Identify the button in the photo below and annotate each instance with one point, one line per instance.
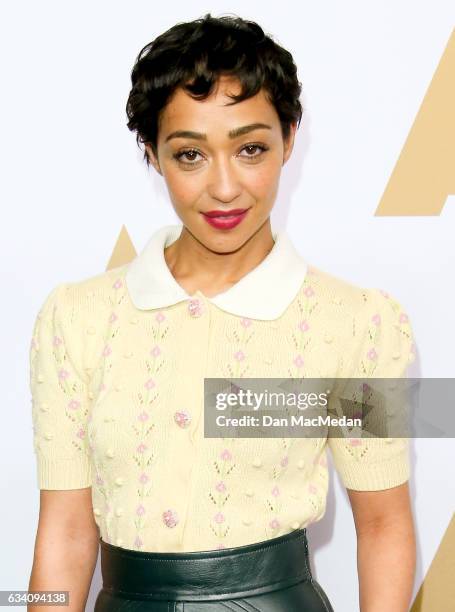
(134, 320)
(328, 338)
(294, 495)
(182, 418)
(195, 307)
(118, 387)
(119, 481)
(128, 354)
(118, 541)
(40, 378)
(110, 452)
(96, 511)
(48, 436)
(170, 518)
(249, 492)
(396, 355)
(301, 464)
(257, 462)
(119, 512)
(44, 407)
(246, 522)
(295, 525)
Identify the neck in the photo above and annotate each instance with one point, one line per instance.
(196, 267)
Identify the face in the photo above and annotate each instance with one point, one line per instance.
(217, 158)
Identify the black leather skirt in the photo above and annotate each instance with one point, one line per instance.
(269, 576)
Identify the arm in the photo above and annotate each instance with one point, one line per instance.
(386, 548)
(66, 547)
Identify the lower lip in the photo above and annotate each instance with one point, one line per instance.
(225, 222)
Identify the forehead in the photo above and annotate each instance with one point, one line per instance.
(184, 112)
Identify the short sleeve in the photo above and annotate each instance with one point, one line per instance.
(59, 397)
(385, 349)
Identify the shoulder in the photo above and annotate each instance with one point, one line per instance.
(350, 300)
(87, 297)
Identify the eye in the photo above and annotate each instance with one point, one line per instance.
(187, 156)
(254, 147)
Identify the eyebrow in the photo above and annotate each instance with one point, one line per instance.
(235, 133)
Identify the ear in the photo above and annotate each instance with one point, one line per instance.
(153, 158)
(289, 143)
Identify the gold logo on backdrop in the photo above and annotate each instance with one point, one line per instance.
(424, 175)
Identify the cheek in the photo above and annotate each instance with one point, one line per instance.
(183, 187)
(263, 179)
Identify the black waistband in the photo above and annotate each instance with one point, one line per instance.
(207, 575)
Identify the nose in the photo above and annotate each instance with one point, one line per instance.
(223, 181)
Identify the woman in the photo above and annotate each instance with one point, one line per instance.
(118, 363)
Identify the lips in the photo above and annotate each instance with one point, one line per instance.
(225, 219)
(225, 213)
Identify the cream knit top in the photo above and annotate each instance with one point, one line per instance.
(117, 367)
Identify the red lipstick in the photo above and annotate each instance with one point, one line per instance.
(225, 219)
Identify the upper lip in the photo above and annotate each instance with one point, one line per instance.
(225, 213)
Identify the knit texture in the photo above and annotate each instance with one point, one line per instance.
(118, 396)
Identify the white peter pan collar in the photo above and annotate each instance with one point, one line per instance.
(263, 293)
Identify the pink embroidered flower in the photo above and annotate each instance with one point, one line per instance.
(372, 354)
(170, 518)
(57, 341)
(284, 461)
(403, 317)
(376, 319)
(143, 416)
(226, 455)
(33, 343)
(143, 478)
(220, 486)
(102, 387)
(118, 283)
(309, 291)
(63, 374)
(99, 480)
(355, 441)
(150, 383)
(141, 448)
(303, 326)
(155, 351)
(160, 317)
(245, 322)
(113, 317)
(138, 542)
(219, 518)
(182, 418)
(275, 491)
(274, 523)
(357, 414)
(365, 387)
(81, 433)
(140, 510)
(220, 546)
(384, 293)
(323, 462)
(298, 361)
(312, 488)
(107, 350)
(195, 307)
(239, 356)
(74, 404)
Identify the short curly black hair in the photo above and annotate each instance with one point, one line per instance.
(193, 55)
